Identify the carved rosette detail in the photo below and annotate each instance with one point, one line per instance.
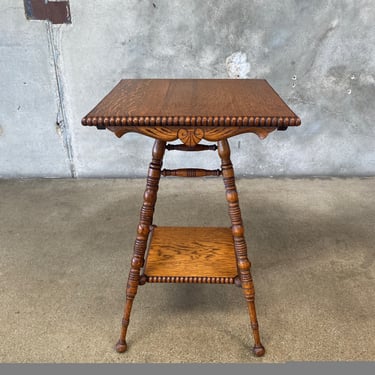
(190, 137)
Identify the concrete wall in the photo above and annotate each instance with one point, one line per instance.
(319, 55)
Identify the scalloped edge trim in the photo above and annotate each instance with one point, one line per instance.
(191, 121)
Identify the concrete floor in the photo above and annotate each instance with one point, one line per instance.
(66, 246)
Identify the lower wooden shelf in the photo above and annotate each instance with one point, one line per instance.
(191, 254)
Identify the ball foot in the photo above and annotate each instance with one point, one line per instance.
(121, 346)
(259, 350)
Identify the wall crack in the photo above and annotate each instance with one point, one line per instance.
(62, 125)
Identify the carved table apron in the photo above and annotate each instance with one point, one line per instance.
(191, 110)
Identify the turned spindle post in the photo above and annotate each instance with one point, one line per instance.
(243, 263)
(144, 227)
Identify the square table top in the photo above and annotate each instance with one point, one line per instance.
(192, 102)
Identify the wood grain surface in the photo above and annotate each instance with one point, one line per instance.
(191, 252)
(192, 102)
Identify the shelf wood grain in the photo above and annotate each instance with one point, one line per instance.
(188, 252)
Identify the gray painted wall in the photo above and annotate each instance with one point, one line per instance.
(318, 54)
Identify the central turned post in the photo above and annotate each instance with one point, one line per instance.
(243, 263)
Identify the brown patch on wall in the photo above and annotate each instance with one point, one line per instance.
(54, 11)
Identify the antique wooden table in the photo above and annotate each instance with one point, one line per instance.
(191, 110)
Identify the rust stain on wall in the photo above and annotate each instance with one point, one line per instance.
(56, 12)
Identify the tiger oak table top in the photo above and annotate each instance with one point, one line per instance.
(192, 109)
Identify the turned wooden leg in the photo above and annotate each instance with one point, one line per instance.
(143, 230)
(243, 263)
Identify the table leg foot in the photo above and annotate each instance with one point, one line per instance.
(121, 346)
(259, 350)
